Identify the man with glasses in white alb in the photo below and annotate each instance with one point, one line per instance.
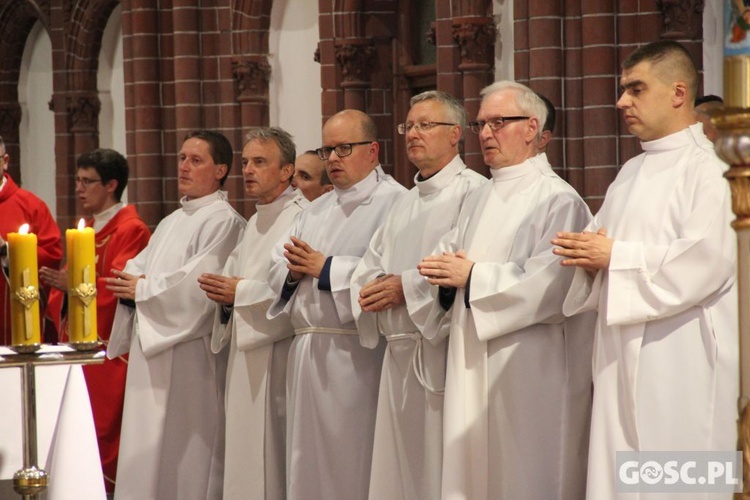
(392, 300)
(332, 382)
(518, 379)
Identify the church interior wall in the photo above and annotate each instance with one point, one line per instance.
(293, 63)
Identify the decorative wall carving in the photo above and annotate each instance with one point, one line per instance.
(252, 78)
(356, 58)
(681, 18)
(476, 40)
(84, 113)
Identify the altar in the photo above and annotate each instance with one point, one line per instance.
(66, 438)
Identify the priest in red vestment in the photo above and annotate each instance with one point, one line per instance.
(19, 206)
(120, 235)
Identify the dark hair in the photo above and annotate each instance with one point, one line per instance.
(109, 165)
(219, 147)
(708, 98)
(549, 123)
(670, 56)
(324, 179)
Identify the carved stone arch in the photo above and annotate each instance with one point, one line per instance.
(83, 40)
(16, 22)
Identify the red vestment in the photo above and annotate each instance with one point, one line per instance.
(117, 242)
(19, 206)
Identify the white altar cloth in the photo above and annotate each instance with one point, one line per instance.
(66, 438)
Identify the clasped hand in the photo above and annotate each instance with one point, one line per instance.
(303, 260)
(384, 292)
(220, 289)
(446, 270)
(587, 250)
(123, 285)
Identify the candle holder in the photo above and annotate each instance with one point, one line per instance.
(30, 481)
(85, 346)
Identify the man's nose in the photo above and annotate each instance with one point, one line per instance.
(623, 102)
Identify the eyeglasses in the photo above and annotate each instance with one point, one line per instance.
(342, 150)
(405, 128)
(494, 123)
(86, 182)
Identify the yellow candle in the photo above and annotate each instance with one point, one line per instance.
(81, 284)
(24, 288)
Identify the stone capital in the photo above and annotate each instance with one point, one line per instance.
(475, 37)
(84, 112)
(681, 18)
(356, 58)
(252, 76)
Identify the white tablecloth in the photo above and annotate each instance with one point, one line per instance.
(66, 437)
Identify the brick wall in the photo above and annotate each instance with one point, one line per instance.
(571, 52)
(203, 64)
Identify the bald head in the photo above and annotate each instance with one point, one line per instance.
(363, 125)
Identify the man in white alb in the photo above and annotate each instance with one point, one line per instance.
(256, 374)
(395, 300)
(172, 438)
(518, 379)
(658, 264)
(332, 380)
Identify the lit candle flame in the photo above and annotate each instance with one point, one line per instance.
(81, 224)
(24, 229)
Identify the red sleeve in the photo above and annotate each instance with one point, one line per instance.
(129, 246)
(49, 241)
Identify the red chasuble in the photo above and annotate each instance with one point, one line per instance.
(18, 206)
(119, 241)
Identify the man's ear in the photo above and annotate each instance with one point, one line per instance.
(287, 172)
(221, 171)
(374, 150)
(546, 137)
(456, 135)
(111, 186)
(532, 129)
(679, 94)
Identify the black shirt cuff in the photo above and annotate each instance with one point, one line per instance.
(289, 287)
(446, 297)
(467, 293)
(324, 282)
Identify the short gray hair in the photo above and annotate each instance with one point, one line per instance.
(456, 110)
(281, 137)
(527, 100)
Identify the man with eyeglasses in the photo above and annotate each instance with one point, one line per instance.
(172, 441)
(17, 207)
(392, 300)
(120, 235)
(518, 379)
(658, 264)
(333, 380)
